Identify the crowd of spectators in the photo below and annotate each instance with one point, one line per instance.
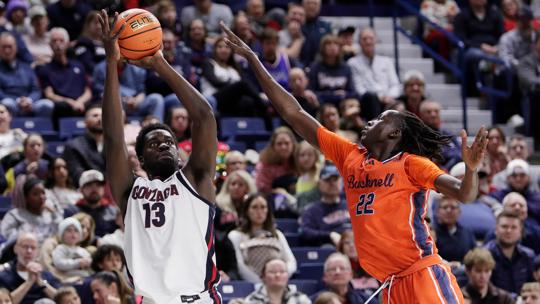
(61, 240)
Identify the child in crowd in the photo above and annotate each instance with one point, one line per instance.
(308, 163)
(68, 256)
(5, 296)
(67, 295)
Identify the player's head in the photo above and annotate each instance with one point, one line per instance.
(156, 148)
(403, 131)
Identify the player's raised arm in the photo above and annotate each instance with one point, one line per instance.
(119, 173)
(287, 106)
(466, 190)
(201, 166)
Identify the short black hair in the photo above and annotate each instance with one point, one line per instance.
(139, 143)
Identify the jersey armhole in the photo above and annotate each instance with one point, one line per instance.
(182, 178)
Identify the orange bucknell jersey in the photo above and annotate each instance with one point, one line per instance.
(387, 204)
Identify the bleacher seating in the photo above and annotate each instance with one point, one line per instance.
(235, 289)
(71, 126)
(55, 148)
(287, 225)
(309, 255)
(39, 125)
(309, 271)
(308, 287)
(293, 238)
(243, 129)
(5, 205)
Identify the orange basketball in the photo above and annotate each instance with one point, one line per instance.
(141, 36)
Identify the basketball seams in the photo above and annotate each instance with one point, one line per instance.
(145, 50)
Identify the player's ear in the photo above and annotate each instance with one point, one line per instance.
(395, 134)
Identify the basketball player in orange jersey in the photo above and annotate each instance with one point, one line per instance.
(386, 181)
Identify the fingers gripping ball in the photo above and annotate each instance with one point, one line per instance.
(141, 36)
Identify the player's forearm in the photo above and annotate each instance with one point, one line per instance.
(113, 127)
(196, 105)
(468, 190)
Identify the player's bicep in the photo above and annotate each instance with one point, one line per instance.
(422, 172)
(119, 174)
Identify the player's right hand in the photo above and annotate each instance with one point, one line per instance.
(109, 38)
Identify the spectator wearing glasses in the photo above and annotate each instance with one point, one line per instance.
(338, 277)
(453, 240)
(518, 181)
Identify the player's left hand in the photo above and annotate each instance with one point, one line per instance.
(110, 38)
(234, 42)
(473, 155)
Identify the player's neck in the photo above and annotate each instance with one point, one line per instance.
(383, 152)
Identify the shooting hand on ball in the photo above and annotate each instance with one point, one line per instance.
(110, 38)
(148, 62)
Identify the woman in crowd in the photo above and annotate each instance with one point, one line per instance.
(196, 41)
(110, 287)
(177, 118)
(59, 187)
(222, 85)
(30, 212)
(276, 159)
(329, 117)
(329, 77)
(11, 140)
(33, 162)
(238, 185)
(257, 240)
(275, 278)
(497, 152)
(89, 47)
(413, 92)
(308, 163)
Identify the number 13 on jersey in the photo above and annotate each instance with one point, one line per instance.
(363, 207)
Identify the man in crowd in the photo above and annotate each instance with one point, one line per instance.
(313, 29)
(323, 221)
(24, 277)
(19, 89)
(479, 265)
(374, 76)
(93, 202)
(291, 37)
(85, 152)
(513, 261)
(529, 81)
(210, 13)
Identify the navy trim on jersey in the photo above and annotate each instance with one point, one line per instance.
(186, 184)
(212, 274)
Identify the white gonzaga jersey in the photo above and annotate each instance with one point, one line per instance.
(169, 240)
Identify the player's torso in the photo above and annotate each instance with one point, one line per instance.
(169, 238)
(387, 214)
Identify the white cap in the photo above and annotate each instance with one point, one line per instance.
(517, 166)
(70, 221)
(91, 176)
(458, 170)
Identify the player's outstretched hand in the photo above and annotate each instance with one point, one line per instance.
(110, 39)
(233, 41)
(148, 62)
(474, 155)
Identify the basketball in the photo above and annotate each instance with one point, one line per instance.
(141, 36)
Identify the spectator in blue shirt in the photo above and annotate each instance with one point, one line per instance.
(453, 240)
(64, 80)
(516, 203)
(19, 90)
(132, 90)
(324, 220)
(314, 29)
(338, 277)
(514, 262)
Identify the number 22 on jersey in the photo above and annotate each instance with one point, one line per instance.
(363, 207)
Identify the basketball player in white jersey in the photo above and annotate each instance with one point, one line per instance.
(169, 240)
